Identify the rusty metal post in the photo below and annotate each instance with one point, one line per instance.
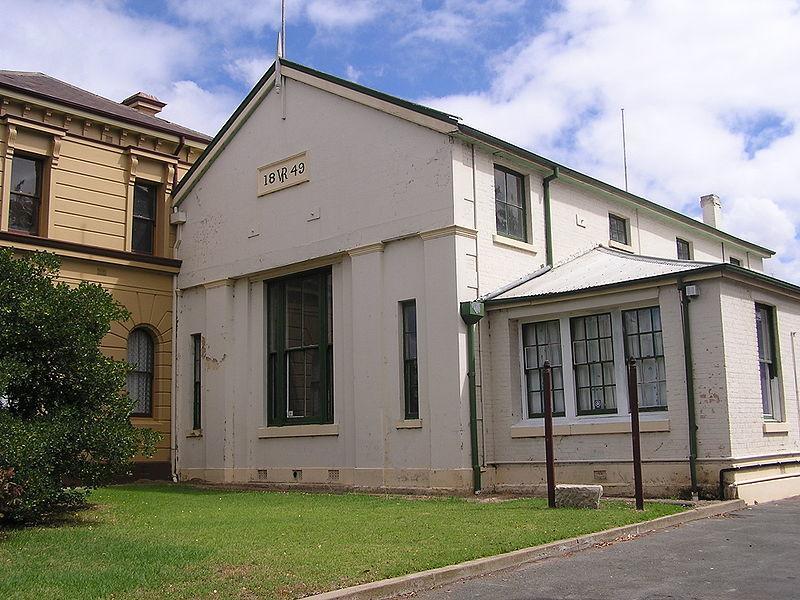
(547, 383)
(633, 401)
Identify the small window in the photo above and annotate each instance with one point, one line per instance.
(768, 362)
(542, 342)
(735, 261)
(410, 374)
(141, 356)
(644, 342)
(144, 217)
(25, 199)
(684, 249)
(618, 229)
(509, 204)
(593, 361)
(197, 376)
(300, 349)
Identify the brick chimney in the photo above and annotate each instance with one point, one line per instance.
(144, 103)
(712, 210)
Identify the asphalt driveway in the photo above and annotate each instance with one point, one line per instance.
(751, 554)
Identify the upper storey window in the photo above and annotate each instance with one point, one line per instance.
(684, 249)
(509, 204)
(25, 199)
(144, 217)
(618, 229)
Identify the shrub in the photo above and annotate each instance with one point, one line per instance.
(63, 418)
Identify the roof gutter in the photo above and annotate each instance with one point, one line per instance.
(548, 227)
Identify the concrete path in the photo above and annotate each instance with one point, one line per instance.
(751, 554)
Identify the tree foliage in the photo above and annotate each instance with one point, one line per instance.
(64, 420)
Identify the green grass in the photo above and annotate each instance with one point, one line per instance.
(172, 541)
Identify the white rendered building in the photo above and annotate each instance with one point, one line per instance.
(330, 234)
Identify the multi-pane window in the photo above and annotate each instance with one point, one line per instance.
(141, 356)
(144, 217)
(593, 361)
(300, 349)
(410, 375)
(684, 249)
(197, 388)
(618, 229)
(509, 204)
(542, 342)
(644, 342)
(735, 261)
(768, 362)
(25, 198)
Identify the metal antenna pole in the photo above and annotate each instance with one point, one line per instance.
(624, 150)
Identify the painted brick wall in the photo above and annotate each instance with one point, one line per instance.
(744, 387)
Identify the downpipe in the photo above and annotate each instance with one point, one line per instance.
(471, 314)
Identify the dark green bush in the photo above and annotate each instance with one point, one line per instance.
(63, 418)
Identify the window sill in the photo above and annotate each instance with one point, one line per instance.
(525, 430)
(288, 431)
(620, 246)
(776, 427)
(512, 243)
(195, 433)
(409, 424)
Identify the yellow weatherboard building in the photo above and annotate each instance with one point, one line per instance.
(91, 180)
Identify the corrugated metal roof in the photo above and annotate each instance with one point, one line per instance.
(44, 86)
(596, 267)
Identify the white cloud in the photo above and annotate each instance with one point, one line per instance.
(457, 21)
(352, 73)
(341, 14)
(198, 108)
(249, 69)
(696, 80)
(120, 55)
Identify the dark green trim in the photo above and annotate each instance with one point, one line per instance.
(197, 381)
(721, 267)
(410, 365)
(541, 415)
(469, 132)
(221, 133)
(418, 108)
(577, 175)
(276, 388)
(602, 411)
(653, 408)
(471, 319)
(548, 219)
(688, 365)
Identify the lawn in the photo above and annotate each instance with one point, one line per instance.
(173, 541)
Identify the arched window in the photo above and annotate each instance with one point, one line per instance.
(141, 356)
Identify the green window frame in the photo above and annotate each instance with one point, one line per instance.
(542, 342)
(510, 208)
(734, 261)
(684, 249)
(644, 341)
(768, 361)
(410, 366)
(618, 229)
(593, 364)
(299, 323)
(197, 380)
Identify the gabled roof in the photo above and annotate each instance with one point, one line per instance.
(454, 126)
(49, 88)
(600, 268)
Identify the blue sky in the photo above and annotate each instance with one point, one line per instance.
(710, 88)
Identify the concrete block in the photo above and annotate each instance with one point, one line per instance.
(578, 496)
